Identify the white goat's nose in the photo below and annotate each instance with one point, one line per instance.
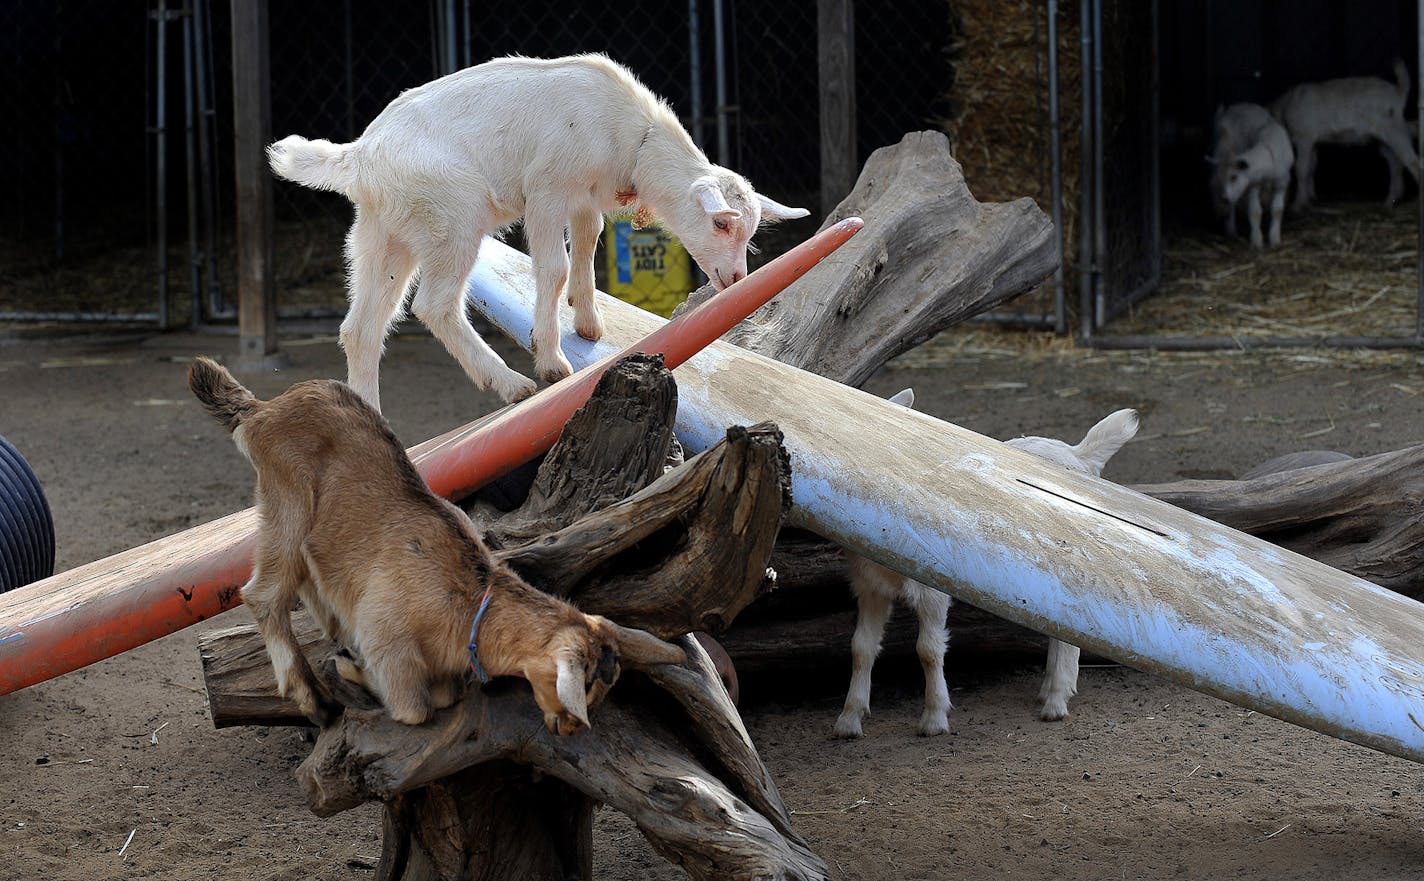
(738, 276)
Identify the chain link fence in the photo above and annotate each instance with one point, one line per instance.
(75, 193)
(120, 203)
(1127, 234)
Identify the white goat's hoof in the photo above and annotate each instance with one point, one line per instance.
(1054, 710)
(554, 369)
(590, 326)
(848, 726)
(933, 724)
(513, 387)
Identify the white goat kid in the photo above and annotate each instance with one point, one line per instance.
(557, 142)
(1352, 110)
(876, 588)
(1253, 157)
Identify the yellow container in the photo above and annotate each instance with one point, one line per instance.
(648, 267)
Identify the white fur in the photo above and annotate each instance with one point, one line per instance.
(554, 142)
(1352, 110)
(876, 588)
(1252, 157)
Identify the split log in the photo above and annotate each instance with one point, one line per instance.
(930, 256)
(1364, 516)
(483, 790)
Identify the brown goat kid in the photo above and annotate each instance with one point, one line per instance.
(392, 572)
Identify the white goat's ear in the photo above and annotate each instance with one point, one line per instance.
(713, 202)
(1210, 160)
(570, 688)
(905, 398)
(774, 210)
(640, 649)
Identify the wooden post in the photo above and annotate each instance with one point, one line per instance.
(835, 30)
(252, 124)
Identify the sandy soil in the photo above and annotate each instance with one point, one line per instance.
(1145, 780)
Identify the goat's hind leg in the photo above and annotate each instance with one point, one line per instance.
(1060, 680)
(584, 229)
(380, 269)
(1396, 142)
(873, 611)
(271, 604)
(440, 304)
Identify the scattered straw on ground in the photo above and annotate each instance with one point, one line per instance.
(1347, 269)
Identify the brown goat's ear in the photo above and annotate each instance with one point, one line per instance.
(640, 648)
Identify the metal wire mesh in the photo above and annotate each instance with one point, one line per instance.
(1130, 255)
(104, 178)
(74, 153)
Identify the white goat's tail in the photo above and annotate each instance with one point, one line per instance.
(318, 164)
(1401, 79)
(1107, 437)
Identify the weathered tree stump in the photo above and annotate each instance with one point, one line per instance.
(930, 256)
(484, 790)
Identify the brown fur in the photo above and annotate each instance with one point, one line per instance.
(390, 571)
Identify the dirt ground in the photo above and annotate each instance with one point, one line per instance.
(116, 772)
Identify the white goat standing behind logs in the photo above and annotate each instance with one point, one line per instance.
(1252, 157)
(1351, 110)
(393, 573)
(876, 589)
(558, 142)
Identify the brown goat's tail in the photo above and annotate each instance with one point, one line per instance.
(220, 394)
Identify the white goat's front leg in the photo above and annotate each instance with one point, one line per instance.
(440, 304)
(932, 607)
(1253, 215)
(380, 269)
(396, 673)
(1278, 207)
(874, 611)
(584, 229)
(1231, 218)
(1060, 680)
(1304, 174)
(545, 231)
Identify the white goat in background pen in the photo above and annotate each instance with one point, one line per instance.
(557, 142)
(1252, 157)
(876, 589)
(1352, 110)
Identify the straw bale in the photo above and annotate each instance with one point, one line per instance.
(998, 121)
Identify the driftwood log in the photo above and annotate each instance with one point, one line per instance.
(1364, 516)
(483, 791)
(930, 256)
